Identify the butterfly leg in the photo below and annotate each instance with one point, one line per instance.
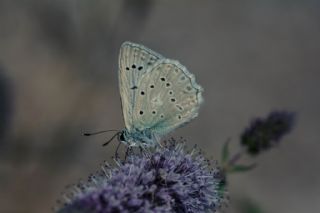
(117, 149)
(128, 151)
(141, 149)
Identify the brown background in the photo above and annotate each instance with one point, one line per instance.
(58, 77)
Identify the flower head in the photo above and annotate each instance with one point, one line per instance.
(262, 134)
(165, 179)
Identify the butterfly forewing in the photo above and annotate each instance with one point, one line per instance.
(167, 97)
(134, 61)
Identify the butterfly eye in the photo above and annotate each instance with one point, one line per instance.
(121, 137)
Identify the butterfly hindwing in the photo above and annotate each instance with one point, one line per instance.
(134, 61)
(167, 97)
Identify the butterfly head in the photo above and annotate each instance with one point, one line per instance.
(122, 137)
(137, 138)
(127, 138)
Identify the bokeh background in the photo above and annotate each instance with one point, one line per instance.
(58, 78)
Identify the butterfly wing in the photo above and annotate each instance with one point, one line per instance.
(134, 61)
(167, 97)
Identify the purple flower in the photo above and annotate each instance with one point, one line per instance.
(265, 133)
(162, 179)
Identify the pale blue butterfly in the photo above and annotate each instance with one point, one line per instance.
(158, 95)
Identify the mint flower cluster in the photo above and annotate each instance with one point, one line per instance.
(264, 133)
(161, 179)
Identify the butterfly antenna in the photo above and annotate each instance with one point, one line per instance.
(111, 139)
(99, 132)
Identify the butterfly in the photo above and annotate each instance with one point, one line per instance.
(158, 95)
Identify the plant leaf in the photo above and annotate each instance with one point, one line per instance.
(249, 206)
(241, 168)
(225, 151)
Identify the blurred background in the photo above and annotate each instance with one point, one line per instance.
(58, 78)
